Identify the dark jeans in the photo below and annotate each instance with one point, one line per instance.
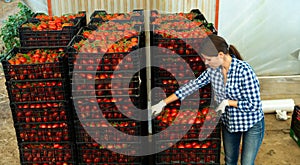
(251, 141)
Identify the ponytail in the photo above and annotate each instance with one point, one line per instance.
(233, 50)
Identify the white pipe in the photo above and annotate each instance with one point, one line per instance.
(270, 106)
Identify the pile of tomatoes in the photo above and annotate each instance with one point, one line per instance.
(46, 22)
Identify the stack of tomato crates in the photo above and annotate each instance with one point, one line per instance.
(104, 68)
(37, 83)
(295, 125)
(195, 134)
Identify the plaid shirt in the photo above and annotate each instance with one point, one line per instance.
(242, 85)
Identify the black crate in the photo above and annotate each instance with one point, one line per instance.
(94, 22)
(81, 15)
(94, 153)
(30, 38)
(106, 88)
(44, 131)
(76, 42)
(90, 108)
(41, 112)
(295, 123)
(116, 25)
(204, 123)
(183, 47)
(188, 35)
(140, 11)
(108, 17)
(194, 15)
(38, 90)
(82, 19)
(82, 30)
(58, 68)
(193, 152)
(47, 153)
(136, 15)
(98, 12)
(110, 62)
(197, 11)
(295, 137)
(92, 66)
(211, 28)
(197, 131)
(96, 130)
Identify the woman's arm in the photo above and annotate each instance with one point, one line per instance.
(171, 98)
(233, 103)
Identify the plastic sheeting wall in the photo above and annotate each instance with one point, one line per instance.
(38, 6)
(59, 7)
(266, 32)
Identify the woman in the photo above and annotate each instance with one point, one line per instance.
(236, 90)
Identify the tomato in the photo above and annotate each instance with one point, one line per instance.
(67, 24)
(44, 25)
(52, 27)
(39, 28)
(58, 20)
(86, 34)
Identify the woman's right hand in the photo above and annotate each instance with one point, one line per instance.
(157, 108)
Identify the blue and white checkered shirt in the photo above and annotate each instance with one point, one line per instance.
(242, 85)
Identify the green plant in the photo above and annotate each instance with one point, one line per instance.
(9, 33)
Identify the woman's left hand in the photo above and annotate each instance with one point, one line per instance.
(222, 106)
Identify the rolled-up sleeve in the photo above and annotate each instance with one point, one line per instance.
(251, 94)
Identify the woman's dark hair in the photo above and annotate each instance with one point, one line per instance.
(213, 44)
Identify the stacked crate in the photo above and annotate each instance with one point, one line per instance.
(44, 30)
(38, 88)
(39, 103)
(295, 125)
(104, 62)
(178, 37)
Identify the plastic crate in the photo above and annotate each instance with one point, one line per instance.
(116, 25)
(188, 35)
(47, 153)
(88, 108)
(108, 65)
(105, 88)
(95, 22)
(42, 112)
(108, 17)
(205, 121)
(211, 27)
(193, 15)
(92, 130)
(195, 132)
(295, 123)
(32, 71)
(183, 71)
(94, 153)
(78, 17)
(197, 11)
(54, 131)
(140, 11)
(192, 152)
(98, 12)
(136, 15)
(38, 90)
(30, 38)
(295, 137)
